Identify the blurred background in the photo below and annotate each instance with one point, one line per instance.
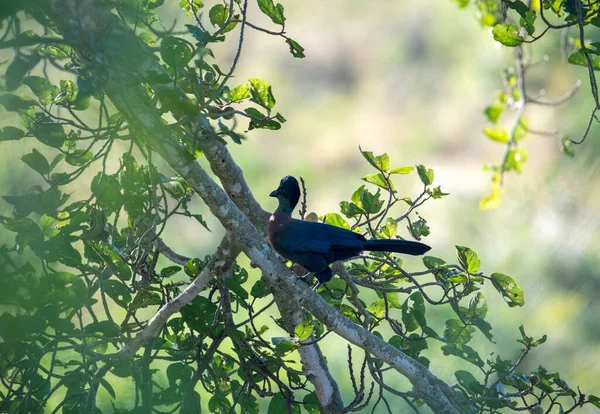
(412, 79)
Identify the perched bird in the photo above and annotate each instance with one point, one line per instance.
(316, 245)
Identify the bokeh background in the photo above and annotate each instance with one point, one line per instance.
(412, 79)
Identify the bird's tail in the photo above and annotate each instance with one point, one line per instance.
(397, 246)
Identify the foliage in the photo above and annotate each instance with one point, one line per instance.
(517, 24)
(83, 276)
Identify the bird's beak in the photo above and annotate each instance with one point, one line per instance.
(274, 193)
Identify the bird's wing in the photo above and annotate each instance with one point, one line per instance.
(307, 237)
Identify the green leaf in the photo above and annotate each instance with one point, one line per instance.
(284, 347)
(507, 34)
(117, 291)
(79, 157)
(261, 93)
(240, 92)
(494, 112)
(107, 190)
(169, 271)
(497, 134)
(19, 67)
(274, 12)
(11, 133)
(509, 289)
(49, 226)
(218, 16)
(260, 289)
(145, 298)
(14, 103)
(378, 180)
(390, 228)
(521, 129)
(371, 203)
(193, 267)
(426, 175)
(402, 170)
(468, 382)
(42, 88)
(381, 162)
(296, 50)
(431, 262)
(468, 259)
(413, 312)
(516, 160)
(377, 308)
(175, 52)
(336, 220)
(113, 260)
(578, 58)
(304, 330)
(191, 6)
(311, 403)
(350, 209)
(465, 352)
(457, 332)
(148, 38)
(49, 133)
(37, 162)
(594, 400)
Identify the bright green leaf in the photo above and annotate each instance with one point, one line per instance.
(507, 34)
(509, 289)
(468, 259)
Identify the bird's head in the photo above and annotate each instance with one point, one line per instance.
(288, 193)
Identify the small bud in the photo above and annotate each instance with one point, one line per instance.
(537, 410)
(534, 380)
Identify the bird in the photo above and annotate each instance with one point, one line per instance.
(315, 246)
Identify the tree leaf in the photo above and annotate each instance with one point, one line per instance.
(465, 352)
(456, 332)
(497, 134)
(11, 133)
(336, 220)
(507, 34)
(261, 93)
(218, 15)
(37, 162)
(117, 291)
(304, 330)
(42, 88)
(378, 180)
(381, 162)
(468, 259)
(275, 12)
(19, 67)
(371, 203)
(509, 289)
(240, 92)
(426, 175)
(175, 52)
(296, 50)
(402, 170)
(191, 6)
(14, 103)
